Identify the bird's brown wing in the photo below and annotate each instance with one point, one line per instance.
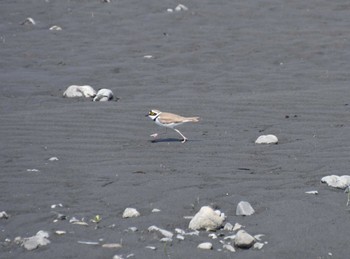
(167, 118)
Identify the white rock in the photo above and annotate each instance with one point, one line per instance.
(181, 7)
(103, 95)
(259, 236)
(169, 10)
(205, 246)
(230, 237)
(228, 227)
(258, 245)
(244, 209)
(206, 219)
(148, 56)
(4, 215)
(79, 91)
(166, 240)
(117, 257)
(60, 232)
(156, 210)
(229, 248)
(243, 239)
(236, 227)
(164, 232)
(213, 236)
(312, 192)
(40, 239)
(53, 159)
(151, 247)
(29, 20)
(180, 231)
(112, 245)
(266, 139)
(336, 181)
(180, 237)
(130, 213)
(55, 28)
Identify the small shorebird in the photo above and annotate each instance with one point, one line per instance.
(170, 120)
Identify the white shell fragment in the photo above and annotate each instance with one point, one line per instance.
(181, 7)
(4, 215)
(205, 246)
(258, 245)
(130, 213)
(40, 239)
(312, 192)
(164, 232)
(243, 239)
(79, 91)
(103, 95)
(28, 21)
(236, 227)
(244, 209)
(266, 139)
(55, 28)
(206, 219)
(336, 181)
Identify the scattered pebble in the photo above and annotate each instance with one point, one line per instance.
(232, 237)
(181, 7)
(180, 237)
(164, 232)
(88, 243)
(229, 248)
(53, 206)
(53, 159)
(206, 219)
(228, 227)
(130, 213)
(79, 91)
(243, 239)
(55, 28)
(103, 95)
(266, 139)
(259, 236)
(33, 170)
(244, 209)
(40, 239)
(237, 226)
(118, 257)
(132, 229)
(312, 192)
(166, 240)
(4, 215)
(60, 232)
(336, 181)
(156, 210)
(180, 231)
(151, 247)
(148, 56)
(112, 245)
(28, 21)
(169, 10)
(205, 246)
(258, 245)
(213, 236)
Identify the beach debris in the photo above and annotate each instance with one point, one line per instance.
(75, 221)
(103, 95)
(163, 232)
(181, 7)
(156, 210)
(243, 239)
(96, 219)
(312, 192)
(130, 213)
(4, 215)
(112, 245)
(166, 240)
(53, 159)
(93, 243)
(28, 21)
(231, 237)
(205, 246)
(258, 237)
(40, 239)
(229, 248)
(336, 181)
(244, 209)
(60, 232)
(79, 91)
(132, 229)
(151, 247)
(148, 56)
(206, 219)
(266, 139)
(55, 28)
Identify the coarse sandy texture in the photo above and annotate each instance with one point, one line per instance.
(247, 68)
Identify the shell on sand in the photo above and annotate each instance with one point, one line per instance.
(336, 181)
(206, 219)
(266, 139)
(79, 91)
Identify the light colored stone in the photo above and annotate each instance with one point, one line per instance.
(258, 245)
(4, 215)
(228, 227)
(130, 213)
(60, 232)
(266, 139)
(112, 245)
(243, 239)
(156, 210)
(151, 247)
(29, 21)
(244, 209)
(205, 246)
(79, 91)
(103, 95)
(312, 192)
(336, 181)
(229, 248)
(164, 232)
(206, 219)
(55, 28)
(180, 237)
(40, 239)
(181, 7)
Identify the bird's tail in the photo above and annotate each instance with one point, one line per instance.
(192, 119)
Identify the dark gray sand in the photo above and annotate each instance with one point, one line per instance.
(247, 68)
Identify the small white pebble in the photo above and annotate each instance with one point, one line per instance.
(205, 246)
(169, 10)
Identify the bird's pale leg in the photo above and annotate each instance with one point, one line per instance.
(184, 138)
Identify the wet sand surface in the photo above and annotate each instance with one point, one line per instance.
(246, 68)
